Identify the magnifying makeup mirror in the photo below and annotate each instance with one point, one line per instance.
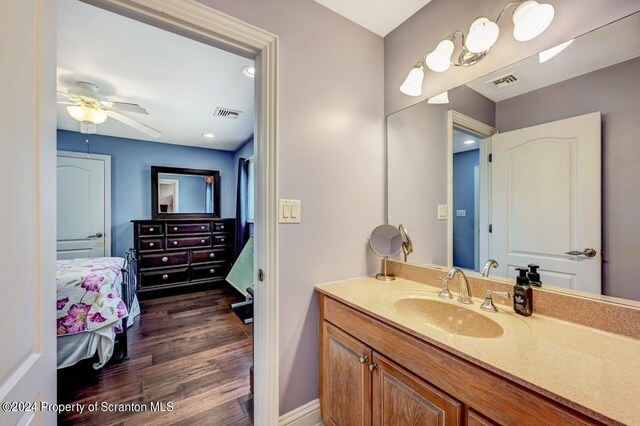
(385, 241)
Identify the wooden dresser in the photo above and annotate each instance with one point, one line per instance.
(181, 252)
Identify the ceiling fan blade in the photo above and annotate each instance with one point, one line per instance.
(68, 96)
(125, 107)
(135, 124)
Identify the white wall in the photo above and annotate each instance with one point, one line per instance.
(330, 156)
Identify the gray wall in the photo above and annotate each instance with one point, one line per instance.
(330, 155)
(615, 92)
(422, 32)
(417, 168)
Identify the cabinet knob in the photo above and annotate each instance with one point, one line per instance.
(363, 359)
(165, 259)
(212, 255)
(152, 244)
(203, 228)
(212, 271)
(175, 228)
(151, 229)
(175, 243)
(373, 366)
(201, 241)
(165, 277)
(222, 239)
(221, 226)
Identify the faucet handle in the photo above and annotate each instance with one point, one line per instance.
(445, 294)
(488, 301)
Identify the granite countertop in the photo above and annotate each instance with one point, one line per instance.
(592, 371)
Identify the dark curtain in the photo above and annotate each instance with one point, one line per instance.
(242, 228)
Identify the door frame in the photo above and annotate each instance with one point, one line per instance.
(107, 191)
(461, 121)
(176, 192)
(202, 23)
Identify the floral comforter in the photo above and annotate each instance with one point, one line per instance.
(89, 294)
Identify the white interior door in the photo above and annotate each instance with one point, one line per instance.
(27, 216)
(546, 201)
(83, 203)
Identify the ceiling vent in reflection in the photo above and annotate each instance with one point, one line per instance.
(231, 114)
(504, 81)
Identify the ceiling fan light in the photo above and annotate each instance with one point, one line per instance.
(483, 34)
(530, 20)
(440, 59)
(86, 114)
(412, 85)
(544, 56)
(442, 98)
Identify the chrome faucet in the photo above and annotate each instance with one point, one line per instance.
(487, 266)
(464, 285)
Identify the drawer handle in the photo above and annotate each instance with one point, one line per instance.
(151, 229)
(203, 228)
(175, 228)
(165, 259)
(175, 243)
(212, 255)
(212, 271)
(151, 244)
(202, 241)
(165, 277)
(221, 226)
(363, 359)
(222, 239)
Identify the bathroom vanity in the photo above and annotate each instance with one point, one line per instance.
(394, 353)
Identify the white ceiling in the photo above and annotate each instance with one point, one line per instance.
(459, 139)
(609, 45)
(179, 81)
(379, 16)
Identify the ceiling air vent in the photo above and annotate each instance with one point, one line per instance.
(504, 81)
(226, 113)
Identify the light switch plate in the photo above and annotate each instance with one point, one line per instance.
(442, 212)
(289, 211)
(461, 213)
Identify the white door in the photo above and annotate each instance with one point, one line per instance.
(83, 200)
(546, 201)
(27, 212)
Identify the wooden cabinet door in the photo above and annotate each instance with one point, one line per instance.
(476, 419)
(345, 392)
(402, 399)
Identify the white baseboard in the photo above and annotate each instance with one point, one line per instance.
(306, 415)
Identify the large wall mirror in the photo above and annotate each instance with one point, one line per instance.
(178, 192)
(538, 162)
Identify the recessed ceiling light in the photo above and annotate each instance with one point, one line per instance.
(469, 142)
(209, 135)
(249, 71)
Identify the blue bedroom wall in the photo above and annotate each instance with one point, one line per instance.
(131, 162)
(463, 199)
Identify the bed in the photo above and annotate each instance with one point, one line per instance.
(96, 303)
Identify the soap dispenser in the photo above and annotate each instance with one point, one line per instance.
(534, 276)
(522, 294)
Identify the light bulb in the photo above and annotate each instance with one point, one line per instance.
(86, 114)
(550, 53)
(412, 85)
(440, 59)
(442, 98)
(530, 19)
(483, 34)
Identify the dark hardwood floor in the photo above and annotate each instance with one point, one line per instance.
(188, 349)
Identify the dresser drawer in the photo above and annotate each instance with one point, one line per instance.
(222, 240)
(202, 256)
(213, 270)
(180, 242)
(163, 259)
(171, 276)
(156, 229)
(150, 244)
(188, 228)
(222, 226)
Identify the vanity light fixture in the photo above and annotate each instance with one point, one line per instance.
(442, 98)
(249, 72)
(530, 19)
(550, 53)
(209, 135)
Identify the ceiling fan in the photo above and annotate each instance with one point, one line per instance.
(86, 105)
